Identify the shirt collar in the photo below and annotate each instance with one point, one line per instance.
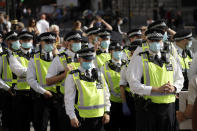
(26, 51)
(116, 62)
(179, 50)
(104, 50)
(154, 54)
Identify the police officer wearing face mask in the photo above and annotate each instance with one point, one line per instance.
(45, 103)
(59, 68)
(23, 101)
(102, 55)
(155, 78)
(7, 79)
(87, 92)
(92, 37)
(167, 43)
(111, 70)
(128, 104)
(183, 43)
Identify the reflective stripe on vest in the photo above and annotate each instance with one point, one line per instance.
(91, 101)
(6, 71)
(41, 71)
(63, 61)
(145, 47)
(21, 83)
(102, 58)
(113, 80)
(156, 76)
(127, 52)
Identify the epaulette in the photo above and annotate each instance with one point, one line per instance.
(98, 52)
(74, 71)
(37, 52)
(124, 62)
(62, 54)
(68, 58)
(144, 52)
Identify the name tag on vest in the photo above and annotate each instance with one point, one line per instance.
(169, 67)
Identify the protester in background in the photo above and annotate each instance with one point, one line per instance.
(42, 24)
(32, 27)
(99, 23)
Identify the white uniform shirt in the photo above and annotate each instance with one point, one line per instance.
(123, 79)
(3, 85)
(135, 73)
(32, 78)
(70, 94)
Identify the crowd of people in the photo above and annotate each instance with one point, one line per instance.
(90, 80)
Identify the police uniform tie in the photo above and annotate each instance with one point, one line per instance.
(184, 54)
(48, 57)
(158, 60)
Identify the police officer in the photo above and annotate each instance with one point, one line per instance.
(22, 102)
(111, 70)
(183, 43)
(45, 105)
(86, 89)
(61, 64)
(128, 105)
(155, 78)
(92, 37)
(102, 55)
(7, 78)
(69, 56)
(167, 42)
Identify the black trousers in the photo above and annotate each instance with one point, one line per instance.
(45, 110)
(50, 109)
(91, 124)
(7, 110)
(117, 119)
(157, 117)
(130, 121)
(63, 119)
(23, 111)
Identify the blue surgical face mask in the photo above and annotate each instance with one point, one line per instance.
(165, 37)
(16, 45)
(48, 47)
(87, 65)
(117, 55)
(155, 46)
(189, 45)
(76, 47)
(26, 45)
(105, 44)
